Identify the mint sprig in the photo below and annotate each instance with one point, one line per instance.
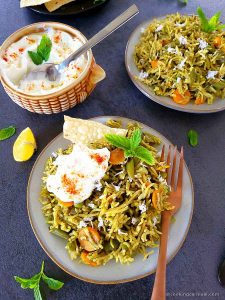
(34, 283)
(6, 133)
(131, 146)
(43, 51)
(212, 24)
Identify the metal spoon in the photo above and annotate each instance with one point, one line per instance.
(221, 274)
(52, 71)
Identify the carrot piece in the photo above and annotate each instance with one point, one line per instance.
(117, 156)
(164, 42)
(154, 64)
(95, 234)
(155, 198)
(86, 260)
(86, 242)
(199, 101)
(66, 204)
(217, 41)
(181, 99)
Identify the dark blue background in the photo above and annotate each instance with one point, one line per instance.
(194, 269)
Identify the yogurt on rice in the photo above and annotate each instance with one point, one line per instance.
(15, 63)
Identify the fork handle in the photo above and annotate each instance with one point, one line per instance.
(159, 288)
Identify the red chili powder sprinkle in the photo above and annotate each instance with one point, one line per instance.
(98, 158)
(69, 185)
(57, 39)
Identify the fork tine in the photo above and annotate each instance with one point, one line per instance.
(173, 173)
(162, 153)
(180, 171)
(168, 163)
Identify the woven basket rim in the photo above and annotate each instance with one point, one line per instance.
(56, 93)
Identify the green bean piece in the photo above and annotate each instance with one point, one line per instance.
(61, 234)
(130, 168)
(78, 205)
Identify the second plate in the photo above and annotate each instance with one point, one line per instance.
(133, 72)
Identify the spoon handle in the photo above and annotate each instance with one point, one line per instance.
(102, 34)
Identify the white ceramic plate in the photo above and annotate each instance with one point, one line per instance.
(112, 272)
(132, 70)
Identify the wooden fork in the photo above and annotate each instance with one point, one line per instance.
(175, 180)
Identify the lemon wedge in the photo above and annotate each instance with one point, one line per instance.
(24, 146)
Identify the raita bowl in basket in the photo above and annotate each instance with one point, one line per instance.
(62, 99)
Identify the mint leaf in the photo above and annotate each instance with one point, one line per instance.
(129, 153)
(7, 132)
(193, 137)
(35, 57)
(28, 283)
(53, 284)
(135, 138)
(145, 155)
(44, 48)
(118, 141)
(184, 1)
(209, 25)
(215, 19)
(203, 19)
(37, 293)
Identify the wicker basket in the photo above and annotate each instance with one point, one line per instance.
(65, 98)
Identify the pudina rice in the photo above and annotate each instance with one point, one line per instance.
(174, 55)
(122, 211)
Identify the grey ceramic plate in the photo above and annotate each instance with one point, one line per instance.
(112, 272)
(132, 70)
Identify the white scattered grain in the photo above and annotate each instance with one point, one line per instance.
(162, 180)
(100, 222)
(180, 24)
(121, 232)
(142, 208)
(181, 64)
(159, 28)
(171, 50)
(211, 74)
(116, 187)
(143, 75)
(134, 220)
(182, 40)
(54, 154)
(82, 224)
(91, 205)
(202, 44)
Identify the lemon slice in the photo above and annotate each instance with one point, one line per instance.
(24, 146)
